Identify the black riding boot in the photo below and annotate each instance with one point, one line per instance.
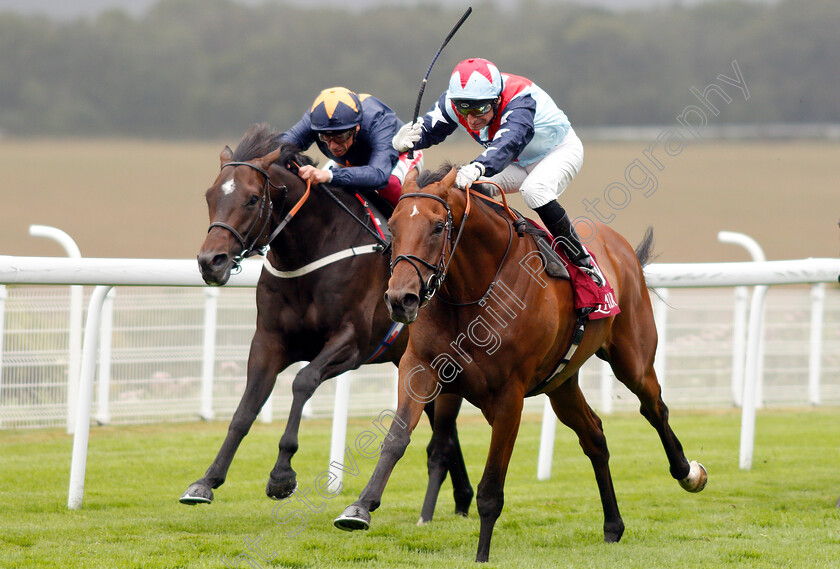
(557, 222)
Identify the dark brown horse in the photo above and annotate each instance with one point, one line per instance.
(331, 316)
(494, 332)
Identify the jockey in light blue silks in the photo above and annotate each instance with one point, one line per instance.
(355, 133)
(529, 144)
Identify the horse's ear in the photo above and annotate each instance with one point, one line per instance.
(269, 159)
(410, 180)
(226, 155)
(412, 175)
(449, 180)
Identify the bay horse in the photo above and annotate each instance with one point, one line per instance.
(331, 316)
(494, 333)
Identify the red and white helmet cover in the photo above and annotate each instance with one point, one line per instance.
(475, 79)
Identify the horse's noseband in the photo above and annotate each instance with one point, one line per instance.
(265, 204)
(429, 287)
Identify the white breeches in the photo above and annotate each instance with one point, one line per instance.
(544, 180)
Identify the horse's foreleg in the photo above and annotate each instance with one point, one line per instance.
(339, 354)
(444, 454)
(265, 361)
(571, 408)
(490, 499)
(409, 410)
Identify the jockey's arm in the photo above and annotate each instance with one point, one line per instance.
(437, 125)
(300, 134)
(383, 157)
(515, 132)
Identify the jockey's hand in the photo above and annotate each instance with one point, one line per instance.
(315, 175)
(407, 136)
(469, 174)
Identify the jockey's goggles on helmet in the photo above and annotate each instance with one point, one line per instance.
(340, 136)
(470, 107)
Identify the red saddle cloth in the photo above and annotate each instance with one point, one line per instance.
(587, 294)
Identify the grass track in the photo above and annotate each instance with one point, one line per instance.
(779, 514)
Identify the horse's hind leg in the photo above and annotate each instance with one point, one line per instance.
(444, 454)
(338, 355)
(631, 358)
(573, 411)
(265, 361)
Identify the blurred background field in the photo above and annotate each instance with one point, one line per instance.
(113, 112)
(145, 199)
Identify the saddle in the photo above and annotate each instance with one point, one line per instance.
(596, 302)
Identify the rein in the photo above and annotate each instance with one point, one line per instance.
(250, 249)
(429, 288)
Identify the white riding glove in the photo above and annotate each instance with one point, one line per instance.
(407, 136)
(469, 174)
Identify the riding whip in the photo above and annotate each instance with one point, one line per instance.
(428, 71)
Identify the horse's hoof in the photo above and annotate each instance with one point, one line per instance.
(613, 531)
(280, 489)
(353, 518)
(423, 522)
(696, 479)
(197, 494)
(462, 505)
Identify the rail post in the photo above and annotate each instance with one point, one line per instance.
(208, 352)
(815, 351)
(739, 367)
(75, 327)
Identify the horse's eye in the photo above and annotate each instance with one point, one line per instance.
(253, 201)
(439, 227)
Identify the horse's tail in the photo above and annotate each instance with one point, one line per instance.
(644, 250)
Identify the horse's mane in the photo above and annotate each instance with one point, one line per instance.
(430, 177)
(260, 140)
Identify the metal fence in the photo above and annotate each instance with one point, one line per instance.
(153, 350)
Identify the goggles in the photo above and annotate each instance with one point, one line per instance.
(477, 108)
(339, 137)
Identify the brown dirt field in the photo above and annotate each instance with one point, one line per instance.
(128, 198)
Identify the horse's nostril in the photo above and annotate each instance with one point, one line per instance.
(411, 302)
(220, 260)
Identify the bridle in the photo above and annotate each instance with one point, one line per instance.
(248, 244)
(429, 287)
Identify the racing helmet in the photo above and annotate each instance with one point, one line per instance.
(335, 109)
(475, 80)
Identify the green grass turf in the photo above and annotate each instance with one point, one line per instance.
(779, 514)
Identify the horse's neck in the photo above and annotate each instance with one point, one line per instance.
(317, 229)
(480, 252)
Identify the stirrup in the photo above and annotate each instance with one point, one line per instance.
(593, 274)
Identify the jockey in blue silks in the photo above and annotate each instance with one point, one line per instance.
(529, 144)
(355, 133)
